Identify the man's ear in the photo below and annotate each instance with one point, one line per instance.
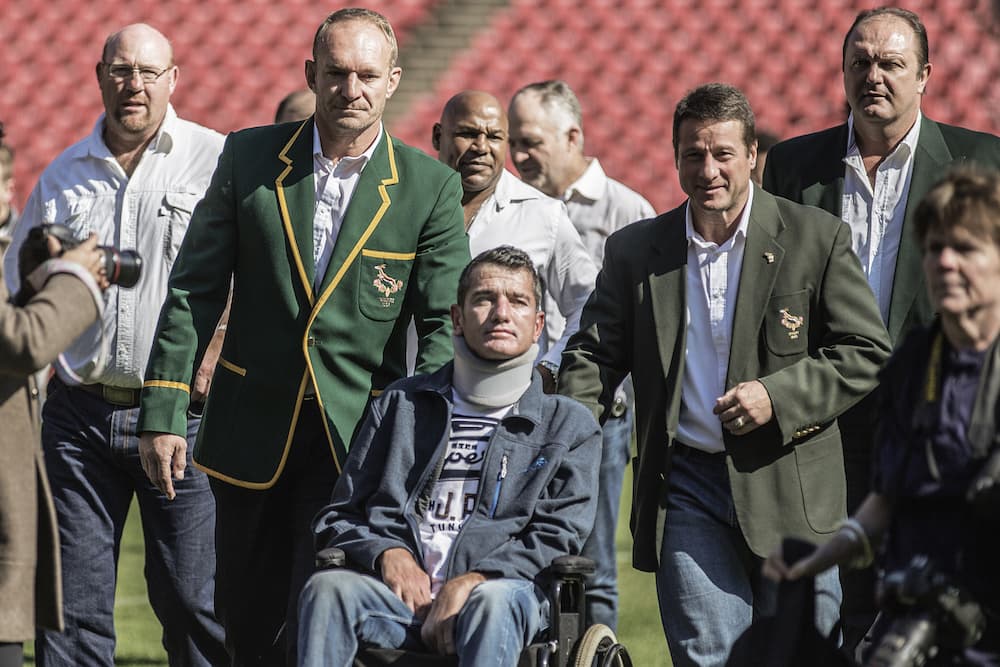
(926, 76)
(456, 319)
(539, 325)
(310, 71)
(436, 139)
(575, 135)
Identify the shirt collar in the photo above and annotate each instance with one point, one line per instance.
(909, 141)
(512, 189)
(163, 142)
(346, 163)
(591, 185)
(695, 238)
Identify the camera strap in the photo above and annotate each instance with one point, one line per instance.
(982, 433)
(982, 429)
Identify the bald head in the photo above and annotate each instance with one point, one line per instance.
(471, 138)
(470, 102)
(137, 76)
(140, 34)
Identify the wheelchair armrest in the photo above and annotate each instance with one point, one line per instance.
(568, 565)
(330, 558)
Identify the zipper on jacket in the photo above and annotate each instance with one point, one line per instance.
(500, 477)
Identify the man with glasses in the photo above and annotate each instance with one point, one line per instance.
(134, 182)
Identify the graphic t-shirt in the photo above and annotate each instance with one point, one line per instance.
(453, 496)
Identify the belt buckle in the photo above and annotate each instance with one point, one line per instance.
(119, 396)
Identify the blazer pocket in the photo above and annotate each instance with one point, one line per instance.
(383, 281)
(820, 464)
(218, 420)
(786, 324)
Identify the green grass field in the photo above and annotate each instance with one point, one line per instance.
(139, 631)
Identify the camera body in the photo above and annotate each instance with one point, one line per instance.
(928, 613)
(123, 267)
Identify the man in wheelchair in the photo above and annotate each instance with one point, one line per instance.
(935, 503)
(460, 487)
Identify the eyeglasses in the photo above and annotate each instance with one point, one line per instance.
(126, 72)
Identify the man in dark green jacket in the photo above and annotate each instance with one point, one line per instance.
(872, 171)
(748, 329)
(334, 235)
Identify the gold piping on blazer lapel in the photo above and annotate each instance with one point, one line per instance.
(286, 218)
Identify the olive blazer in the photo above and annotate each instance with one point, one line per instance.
(806, 325)
(30, 338)
(398, 254)
(810, 170)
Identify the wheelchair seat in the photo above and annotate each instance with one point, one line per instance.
(568, 642)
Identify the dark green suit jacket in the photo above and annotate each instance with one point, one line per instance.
(787, 476)
(810, 170)
(398, 254)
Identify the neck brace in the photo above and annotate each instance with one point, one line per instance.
(492, 384)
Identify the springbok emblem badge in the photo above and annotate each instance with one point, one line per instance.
(386, 285)
(791, 322)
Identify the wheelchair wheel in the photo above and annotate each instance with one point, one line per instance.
(600, 648)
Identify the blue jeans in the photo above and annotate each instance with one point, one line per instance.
(602, 588)
(92, 457)
(340, 609)
(708, 577)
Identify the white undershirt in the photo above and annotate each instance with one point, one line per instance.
(875, 215)
(713, 282)
(335, 184)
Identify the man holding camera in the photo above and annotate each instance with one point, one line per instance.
(134, 183)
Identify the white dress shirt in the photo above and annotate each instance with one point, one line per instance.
(87, 190)
(713, 283)
(519, 215)
(335, 185)
(599, 206)
(875, 215)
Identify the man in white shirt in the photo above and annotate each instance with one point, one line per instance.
(872, 171)
(546, 144)
(133, 181)
(748, 328)
(499, 209)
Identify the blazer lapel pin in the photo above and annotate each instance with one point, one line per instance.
(769, 257)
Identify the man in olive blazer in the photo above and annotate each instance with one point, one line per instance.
(810, 170)
(805, 343)
(305, 348)
(31, 337)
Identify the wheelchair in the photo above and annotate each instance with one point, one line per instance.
(568, 642)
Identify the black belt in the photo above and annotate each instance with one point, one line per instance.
(120, 396)
(686, 451)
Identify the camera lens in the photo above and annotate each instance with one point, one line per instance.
(123, 266)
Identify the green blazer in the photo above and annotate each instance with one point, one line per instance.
(787, 476)
(810, 170)
(398, 254)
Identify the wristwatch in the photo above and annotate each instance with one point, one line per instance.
(551, 368)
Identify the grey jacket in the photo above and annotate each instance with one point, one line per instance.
(537, 498)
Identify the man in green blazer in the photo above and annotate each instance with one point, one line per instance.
(334, 235)
(872, 171)
(748, 328)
